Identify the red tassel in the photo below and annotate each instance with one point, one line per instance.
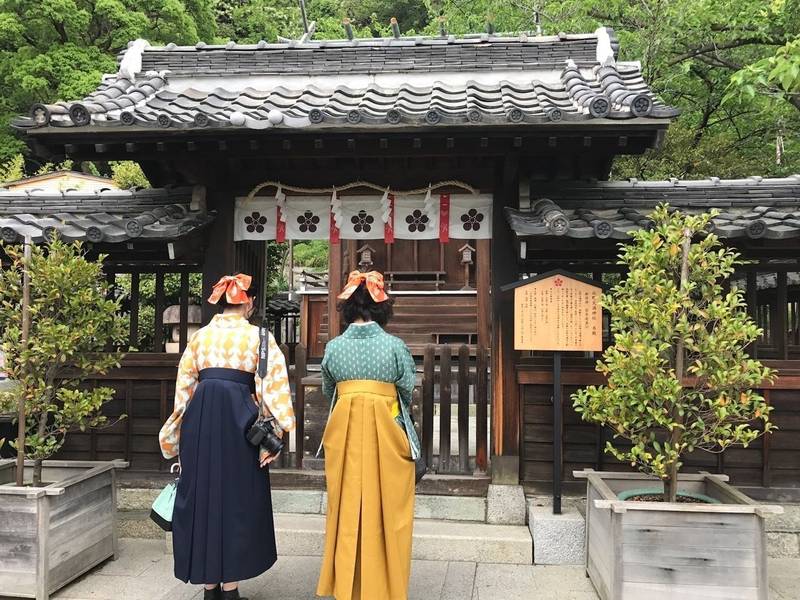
(444, 218)
(388, 227)
(280, 227)
(334, 231)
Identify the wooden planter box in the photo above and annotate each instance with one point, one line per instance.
(659, 550)
(52, 534)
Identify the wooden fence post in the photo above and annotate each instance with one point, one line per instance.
(481, 409)
(445, 397)
(299, 404)
(428, 374)
(463, 409)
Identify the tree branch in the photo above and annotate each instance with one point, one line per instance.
(714, 47)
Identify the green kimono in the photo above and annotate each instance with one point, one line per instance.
(368, 352)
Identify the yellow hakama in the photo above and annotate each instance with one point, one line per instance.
(370, 476)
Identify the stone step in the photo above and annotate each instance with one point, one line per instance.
(303, 535)
(314, 502)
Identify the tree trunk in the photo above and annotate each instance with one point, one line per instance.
(671, 483)
(37, 472)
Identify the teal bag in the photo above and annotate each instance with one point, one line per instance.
(161, 512)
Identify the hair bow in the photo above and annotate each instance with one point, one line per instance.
(234, 287)
(373, 281)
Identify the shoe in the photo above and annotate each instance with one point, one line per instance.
(213, 594)
(232, 595)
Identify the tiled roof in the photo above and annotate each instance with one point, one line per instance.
(482, 80)
(109, 216)
(749, 208)
(281, 304)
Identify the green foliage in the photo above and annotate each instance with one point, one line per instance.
(311, 253)
(12, 169)
(777, 76)
(128, 174)
(71, 322)
(652, 315)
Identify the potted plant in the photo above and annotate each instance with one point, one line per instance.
(679, 380)
(56, 319)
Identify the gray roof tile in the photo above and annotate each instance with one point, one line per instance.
(109, 216)
(611, 209)
(256, 86)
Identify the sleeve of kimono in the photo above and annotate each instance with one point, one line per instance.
(169, 436)
(274, 389)
(406, 374)
(328, 382)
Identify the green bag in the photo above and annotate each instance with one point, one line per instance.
(161, 512)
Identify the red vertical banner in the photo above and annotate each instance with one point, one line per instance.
(444, 218)
(388, 227)
(334, 230)
(280, 226)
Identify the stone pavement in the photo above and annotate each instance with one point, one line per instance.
(144, 572)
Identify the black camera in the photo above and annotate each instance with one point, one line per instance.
(262, 433)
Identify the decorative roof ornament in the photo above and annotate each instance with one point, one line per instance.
(131, 63)
(605, 50)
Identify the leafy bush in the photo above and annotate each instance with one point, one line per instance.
(679, 377)
(71, 322)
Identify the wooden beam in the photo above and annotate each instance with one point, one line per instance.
(483, 284)
(334, 288)
(218, 252)
(505, 391)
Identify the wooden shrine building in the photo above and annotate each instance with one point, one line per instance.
(426, 158)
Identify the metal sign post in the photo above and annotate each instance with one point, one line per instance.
(558, 312)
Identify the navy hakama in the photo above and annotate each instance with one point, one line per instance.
(222, 524)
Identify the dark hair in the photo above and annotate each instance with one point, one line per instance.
(252, 292)
(361, 305)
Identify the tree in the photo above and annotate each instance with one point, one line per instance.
(128, 174)
(72, 321)
(59, 49)
(689, 51)
(679, 377)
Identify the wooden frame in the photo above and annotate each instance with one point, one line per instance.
(79, 507)
(661, 550)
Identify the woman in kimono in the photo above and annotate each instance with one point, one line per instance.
(370, 445)
(222, 522)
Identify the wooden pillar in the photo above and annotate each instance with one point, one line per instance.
(219, 250)
(352, 255)
(505, 391)
(334, 288)
(482, 285)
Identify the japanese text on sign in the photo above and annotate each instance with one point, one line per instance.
(558, 313)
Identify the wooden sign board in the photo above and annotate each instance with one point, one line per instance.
(558, 311)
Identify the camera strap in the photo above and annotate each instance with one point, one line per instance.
(263, 351)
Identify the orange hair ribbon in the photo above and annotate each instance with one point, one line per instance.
(234, 287)
(374, 284)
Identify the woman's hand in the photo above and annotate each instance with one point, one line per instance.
(266, 458)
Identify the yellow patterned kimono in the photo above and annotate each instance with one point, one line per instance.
(228, 342)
